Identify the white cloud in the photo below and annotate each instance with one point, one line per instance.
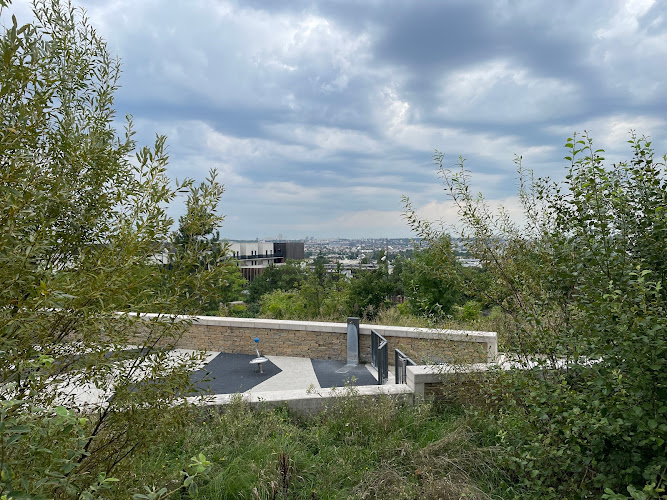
(447, 212)
(379, 223)
(228, 53)
(622, 48)
(392, 111)
(314, 128)
(626, 20)
(329, 139)
(498, 91)
(612, 132)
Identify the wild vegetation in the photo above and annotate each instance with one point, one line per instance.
(351, 450)
(576, 293)
(581, 286)
(79, 223)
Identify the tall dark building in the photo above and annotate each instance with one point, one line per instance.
(292, 250)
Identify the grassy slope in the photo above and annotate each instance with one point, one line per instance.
(355, 449)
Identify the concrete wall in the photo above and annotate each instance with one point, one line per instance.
(447, 382)
(329, 340)
(308, 402)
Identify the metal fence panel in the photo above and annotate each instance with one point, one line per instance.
(380, 356)
(401, 362)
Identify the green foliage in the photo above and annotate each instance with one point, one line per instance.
(191, 273)
(582, 282)
(469, 311)
(30, 434)
(368, 292)
(322, 296)
(197, 469)
(431, 279)
(334, 306)
(284, 277)
(283, 305)
(80, 224)
(351, 450)
(214, 278)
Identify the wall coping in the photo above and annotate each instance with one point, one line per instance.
(321, 326)
(428, 374)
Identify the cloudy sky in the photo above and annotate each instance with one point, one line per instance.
(321, 114)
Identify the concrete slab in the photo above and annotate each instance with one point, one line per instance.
(229, 374)
(297, 373)
(308, 401)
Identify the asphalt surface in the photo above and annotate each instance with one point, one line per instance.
(328, 375)
(231, 373)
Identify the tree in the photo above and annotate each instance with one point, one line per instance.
(367, 293)
(581, 283)
(280, 304)
(214, 278)
(78, 222)
(284, 277)
(295, 293)
(432, 279)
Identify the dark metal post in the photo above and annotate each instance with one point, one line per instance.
(374, 349)
(383, 362)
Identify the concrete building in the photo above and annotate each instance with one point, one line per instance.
(254, 257)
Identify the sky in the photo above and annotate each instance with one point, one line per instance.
(320, 115)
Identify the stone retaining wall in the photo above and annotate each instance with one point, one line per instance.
(329, 340)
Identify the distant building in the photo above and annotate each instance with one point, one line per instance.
(254, 257)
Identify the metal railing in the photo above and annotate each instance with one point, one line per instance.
(257, 256)
(380, 356)
(401, 363)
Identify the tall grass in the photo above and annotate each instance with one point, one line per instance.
(356, 448)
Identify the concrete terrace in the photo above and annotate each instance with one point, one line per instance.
(305, 361)
(233, 373)
(303, 384)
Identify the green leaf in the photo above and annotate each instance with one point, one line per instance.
(61, 411)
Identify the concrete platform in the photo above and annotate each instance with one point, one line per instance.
(303, 383)
(226, 373)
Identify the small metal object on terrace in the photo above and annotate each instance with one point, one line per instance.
(401, 362)
(259, 360)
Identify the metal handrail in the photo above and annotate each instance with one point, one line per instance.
(401, 362)
(258, 256)
(380, 356)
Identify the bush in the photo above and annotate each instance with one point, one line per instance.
(80, 227)
(469, 311)
(582, 283)
(283, 305)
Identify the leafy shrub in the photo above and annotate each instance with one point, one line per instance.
(469, 311)
(82, 219)
(283, 305)
(582, 284)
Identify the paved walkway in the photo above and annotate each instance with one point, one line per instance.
(223, 374)
(227, 373)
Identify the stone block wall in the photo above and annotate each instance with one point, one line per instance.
(329, 340)
(273, 341)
